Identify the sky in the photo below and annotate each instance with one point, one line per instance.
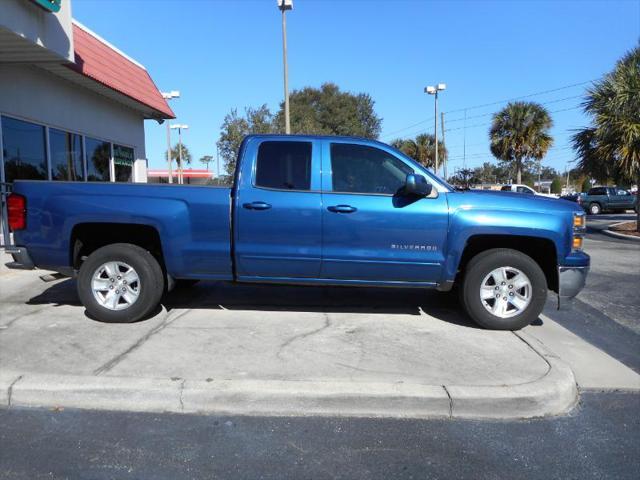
(225, 54)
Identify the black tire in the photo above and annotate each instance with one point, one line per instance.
(149, 273)
(595, 208)
(480, 266)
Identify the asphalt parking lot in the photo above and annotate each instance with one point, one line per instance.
(330, 353)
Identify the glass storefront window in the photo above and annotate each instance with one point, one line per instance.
(24, 150)
(66, 155)
(123, 163)
(98, 155)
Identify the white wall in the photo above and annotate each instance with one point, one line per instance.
(36, 95)
(52, 31)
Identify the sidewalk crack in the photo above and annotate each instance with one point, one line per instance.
(118, 358)
(10, 390)
(450, 401)
(327, 324)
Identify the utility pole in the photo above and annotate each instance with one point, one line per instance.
(539, 176)
(180, 127)
(168, 96)
(217, 161)
(444, 160)
(285, 5)
(170, 175)
(434, 91)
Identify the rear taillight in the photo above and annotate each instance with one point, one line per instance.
(17, 212)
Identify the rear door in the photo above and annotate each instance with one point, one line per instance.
(278, 210)
(371, 233)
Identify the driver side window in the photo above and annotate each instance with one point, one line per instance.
(364, 169)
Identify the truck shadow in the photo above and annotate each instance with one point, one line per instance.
(227, 296)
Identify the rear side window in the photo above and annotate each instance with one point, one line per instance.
(598, 191)
(284, 165)
(506, 188)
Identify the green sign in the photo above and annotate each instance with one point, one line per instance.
(49, 5)
(122, 156)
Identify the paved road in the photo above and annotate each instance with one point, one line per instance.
(600, 439)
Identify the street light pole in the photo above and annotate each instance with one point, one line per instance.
(285, 5)
(434, 91)
(180, 127)
(168, 96)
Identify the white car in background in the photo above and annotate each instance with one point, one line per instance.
(518, 188)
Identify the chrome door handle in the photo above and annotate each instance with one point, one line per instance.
(342, 209)
(257, 206)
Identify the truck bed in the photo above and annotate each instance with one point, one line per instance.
(192, 221)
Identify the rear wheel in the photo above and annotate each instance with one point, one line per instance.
(595, 209)
(120, 283)
(503, 289)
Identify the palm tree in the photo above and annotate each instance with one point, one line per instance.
(206, 160)
(610, 148)
(520, 131)
(422, 149)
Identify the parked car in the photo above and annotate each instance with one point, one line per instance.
(304, 210)
(519, 188)
(572, 197)
(608, 199)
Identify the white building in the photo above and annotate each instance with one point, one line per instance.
(72, 106)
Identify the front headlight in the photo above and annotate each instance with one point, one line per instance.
(579, 229)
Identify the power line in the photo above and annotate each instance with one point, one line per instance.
(473, 107)
(489, 123)
(460, 119)
(521, 97)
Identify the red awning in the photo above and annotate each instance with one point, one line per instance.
(96, 59)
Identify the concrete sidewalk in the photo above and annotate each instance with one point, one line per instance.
(277, 351)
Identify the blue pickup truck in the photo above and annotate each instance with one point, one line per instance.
(305, 210)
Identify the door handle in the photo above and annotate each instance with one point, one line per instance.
(257, 206)
(342, 209)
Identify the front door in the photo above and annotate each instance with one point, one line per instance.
(371, 232)
(278, 210)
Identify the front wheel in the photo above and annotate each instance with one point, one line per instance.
(120, 283)
(503, 289)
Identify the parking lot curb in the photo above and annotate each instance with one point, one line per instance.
(554, 393)
(611, 233)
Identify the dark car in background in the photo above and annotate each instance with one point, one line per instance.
(608, 199)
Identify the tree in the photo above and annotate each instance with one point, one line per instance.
(329, 111)
(422, 149)
(520, 132)
(556, 185)
(464, 178)
(235, 127)
(175, 154)
(206, 160)
(586, 185)
(610, 148)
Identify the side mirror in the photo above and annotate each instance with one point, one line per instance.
(417, 185)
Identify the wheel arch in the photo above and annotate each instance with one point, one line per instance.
(542, 250)
(88, 237)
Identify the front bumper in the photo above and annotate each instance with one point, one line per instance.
(21, 258)
(571, 280)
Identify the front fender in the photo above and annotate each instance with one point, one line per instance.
(467, 223)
